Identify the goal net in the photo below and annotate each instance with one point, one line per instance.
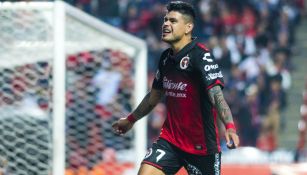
(65, 77)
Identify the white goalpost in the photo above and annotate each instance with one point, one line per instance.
(64, 78)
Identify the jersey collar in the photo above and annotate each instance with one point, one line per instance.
(184, 51)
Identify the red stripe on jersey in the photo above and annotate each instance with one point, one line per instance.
(203, 47)
(152, 164)
(214, 112)
(217, 82)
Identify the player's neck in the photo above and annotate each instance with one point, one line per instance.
(177, 46)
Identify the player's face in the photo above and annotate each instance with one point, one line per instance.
(174, 27)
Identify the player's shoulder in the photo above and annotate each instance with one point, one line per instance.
(166, 52)
(201, 48)
(201, 53)
(164, 56)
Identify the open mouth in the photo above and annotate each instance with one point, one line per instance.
(166, 31)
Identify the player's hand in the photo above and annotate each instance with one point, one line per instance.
(232, 139)
(122, 126)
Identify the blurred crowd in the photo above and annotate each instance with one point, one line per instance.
(302, 128)
(253, 41)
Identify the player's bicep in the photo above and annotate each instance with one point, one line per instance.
(216, 95)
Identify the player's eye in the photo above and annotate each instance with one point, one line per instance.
(173, 20)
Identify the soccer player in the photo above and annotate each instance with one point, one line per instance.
(192, 83)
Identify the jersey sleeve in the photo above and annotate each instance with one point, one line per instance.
(209, 70)
(158, 80)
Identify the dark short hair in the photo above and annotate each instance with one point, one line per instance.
(182, 7)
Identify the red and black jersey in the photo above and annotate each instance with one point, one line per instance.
(186, 77)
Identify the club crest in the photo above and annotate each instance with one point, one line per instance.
(184, 63)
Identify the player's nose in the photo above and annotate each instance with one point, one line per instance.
(166, 23)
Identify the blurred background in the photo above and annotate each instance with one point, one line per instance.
(261, 47)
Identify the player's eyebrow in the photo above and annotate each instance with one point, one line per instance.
(170, 19)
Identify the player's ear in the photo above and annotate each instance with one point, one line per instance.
(189, 27)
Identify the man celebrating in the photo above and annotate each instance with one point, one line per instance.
(191, 81)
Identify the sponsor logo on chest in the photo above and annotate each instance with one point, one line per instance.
(169, 84)
(174, 89)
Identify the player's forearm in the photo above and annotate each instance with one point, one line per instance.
(144, 108)
(217, 99)
(147, 104)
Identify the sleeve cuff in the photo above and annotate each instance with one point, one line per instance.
(217, 82)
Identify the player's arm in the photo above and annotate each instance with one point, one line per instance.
(217, 99)
(148, 103)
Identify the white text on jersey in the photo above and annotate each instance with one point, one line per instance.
(168, 84)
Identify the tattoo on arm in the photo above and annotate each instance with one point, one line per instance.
(147, 104)
(217, 99)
